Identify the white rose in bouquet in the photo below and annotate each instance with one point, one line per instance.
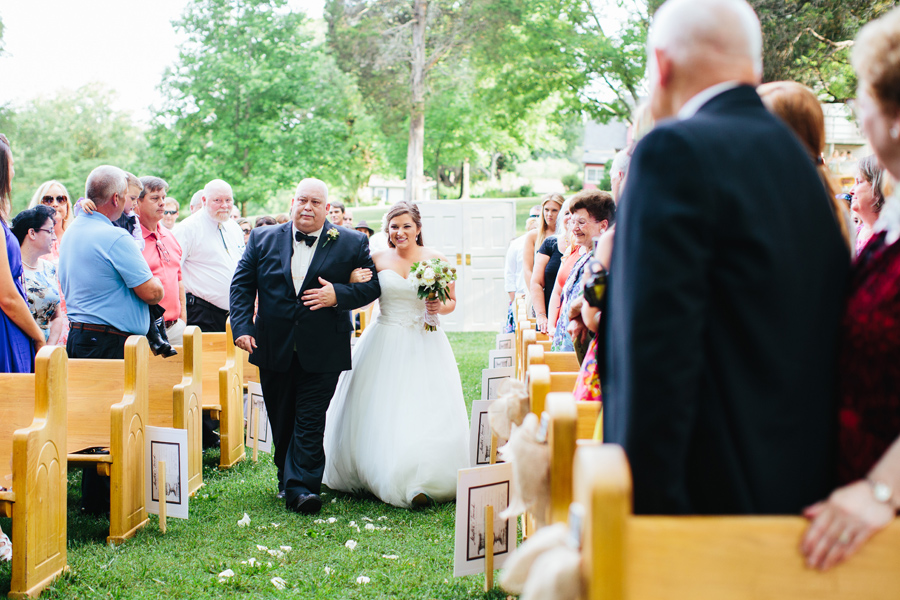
(429, 275)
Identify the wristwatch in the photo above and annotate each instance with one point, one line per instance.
(882, 492)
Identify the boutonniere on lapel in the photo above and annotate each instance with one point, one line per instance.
(332, 235)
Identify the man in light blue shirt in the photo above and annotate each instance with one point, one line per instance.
(105, 279)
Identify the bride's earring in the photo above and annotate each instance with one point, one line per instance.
(895, 132)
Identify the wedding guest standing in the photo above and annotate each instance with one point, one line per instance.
(866, 199)
(211, 245)
(533, 239)
(53, 194)
(723, 311)
(170, 215)
(33, 228)
(20, 335)
(869, 406)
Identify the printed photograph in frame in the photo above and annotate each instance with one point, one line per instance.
(498, 359)
(492, 380)
(170, 445)
(477, 488)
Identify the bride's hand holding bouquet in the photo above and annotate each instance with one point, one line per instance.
(433, 278)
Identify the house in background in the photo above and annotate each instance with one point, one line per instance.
(601, 142)
(387, 192)
(844, 143)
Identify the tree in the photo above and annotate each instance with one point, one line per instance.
(65, 136)
(256, 102)
(809, 41)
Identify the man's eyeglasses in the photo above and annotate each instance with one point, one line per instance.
(50, 200)
(170, 212)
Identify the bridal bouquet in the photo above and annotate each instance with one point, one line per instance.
(433, 276)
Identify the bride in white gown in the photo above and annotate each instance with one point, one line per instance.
(397, 424)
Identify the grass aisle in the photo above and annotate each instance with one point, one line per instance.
(407, 555)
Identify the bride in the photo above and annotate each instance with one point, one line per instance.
(397, 425)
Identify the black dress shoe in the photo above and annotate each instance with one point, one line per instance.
(306, 504)
(280, 495)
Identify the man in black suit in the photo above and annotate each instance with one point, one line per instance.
(300, 338)
(727, 285)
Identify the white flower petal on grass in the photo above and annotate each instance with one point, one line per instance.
(390, 556)
(332, 520)
(276, 525)
(279, 583)
(382, 518)
(227, 573)
(334, 500)
(352, 523)
(252, 562)
(370, 527)
(328, 570)
(351, 544)
(362, 579)
(245, 521)
(262, 548)
(286, 548)
(276, 553)
(367, 519)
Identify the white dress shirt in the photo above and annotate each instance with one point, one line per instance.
(691, 107)
(302, 257)
(210, 252)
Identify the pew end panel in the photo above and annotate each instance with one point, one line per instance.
(706, 558)
(127, 511)
(221, 398)
(561, 439)
(34, 433)
(175, 392)
(231, 395)
(538, 387)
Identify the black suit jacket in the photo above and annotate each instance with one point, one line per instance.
(322, 337)
(727, 287)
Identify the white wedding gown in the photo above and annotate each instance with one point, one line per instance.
(397, 424)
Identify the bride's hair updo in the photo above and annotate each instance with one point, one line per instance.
(403, 208)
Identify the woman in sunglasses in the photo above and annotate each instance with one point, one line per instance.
(54, 195)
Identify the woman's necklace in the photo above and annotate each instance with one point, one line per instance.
(32, 267)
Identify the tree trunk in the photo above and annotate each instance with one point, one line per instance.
(415, 162)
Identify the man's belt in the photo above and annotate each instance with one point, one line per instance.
(98, 328)
(192, 299)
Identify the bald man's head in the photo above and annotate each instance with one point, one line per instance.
(694, 44)
(309, 206)
(218, 200)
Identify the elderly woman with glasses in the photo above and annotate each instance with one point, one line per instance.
(34, 228)
(593, 211)
(53, 194)
(868, 411)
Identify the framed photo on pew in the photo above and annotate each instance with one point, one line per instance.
(492, 379)
(480, 434)
(477, 489)
(167, 445)
(501, 358)
(505, 341)
(257, 419)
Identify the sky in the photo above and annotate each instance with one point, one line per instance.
(52, 45)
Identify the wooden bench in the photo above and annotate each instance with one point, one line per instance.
(120, 389)
(174, 398)
(537, 354)
(365, 317)
(223, 392)
(33, 433)
(526, 335)
(627, 557)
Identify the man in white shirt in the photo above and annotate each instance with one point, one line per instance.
(212, 244)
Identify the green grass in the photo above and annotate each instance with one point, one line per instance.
(185, 562)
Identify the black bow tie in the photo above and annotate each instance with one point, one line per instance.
(302, 237)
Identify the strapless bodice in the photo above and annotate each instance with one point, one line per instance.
(398, 302)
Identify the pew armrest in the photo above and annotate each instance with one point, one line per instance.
(7, 499)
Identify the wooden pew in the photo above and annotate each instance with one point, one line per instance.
(365, 317)
(120, 389)
(526, 335)
(538, 354)
(223, 392)
(627, 557)
(541, 381)
(33, 433)
(174, 398)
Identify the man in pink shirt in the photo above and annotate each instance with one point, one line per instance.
(163, 254)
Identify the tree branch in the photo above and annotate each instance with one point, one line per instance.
(835, 45)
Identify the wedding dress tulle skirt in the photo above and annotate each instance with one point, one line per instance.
(397, 425)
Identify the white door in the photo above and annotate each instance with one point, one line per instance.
(473, 234)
